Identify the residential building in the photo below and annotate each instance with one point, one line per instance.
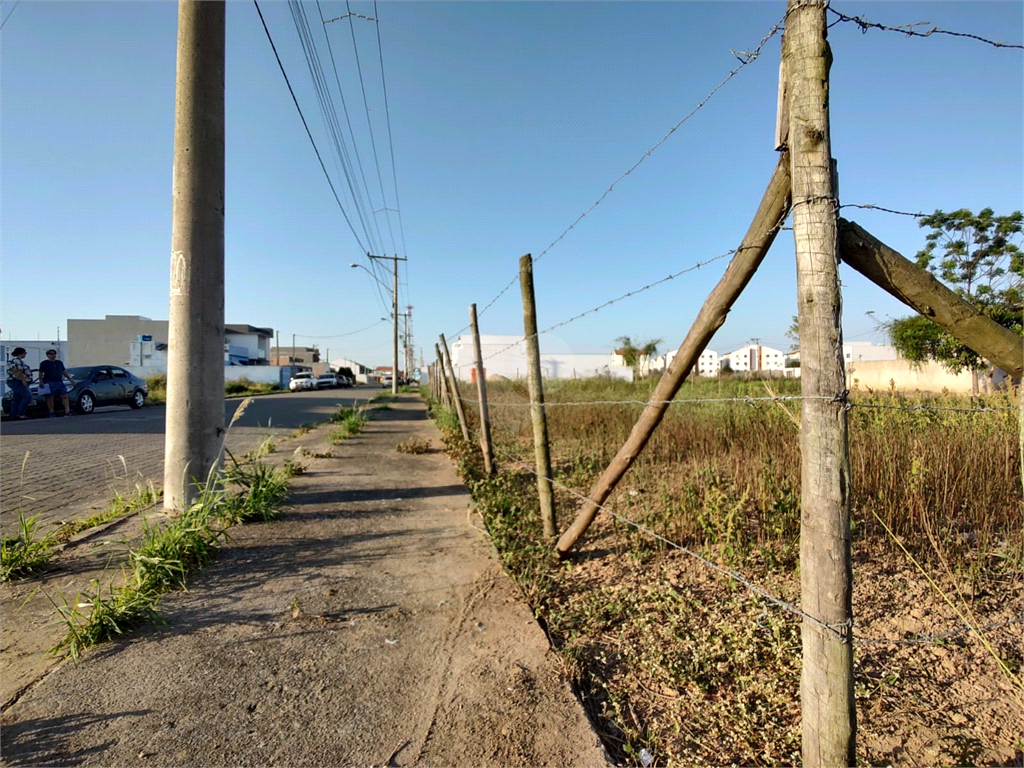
(753, 358)
(139, 342)
(709, 363)
(360, 371)
(294, 355)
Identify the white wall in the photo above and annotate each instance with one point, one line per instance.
(506, 356)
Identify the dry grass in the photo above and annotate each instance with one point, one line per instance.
(676, 659)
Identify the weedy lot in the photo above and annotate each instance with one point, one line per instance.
(679, 659)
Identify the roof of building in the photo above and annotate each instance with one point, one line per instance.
(243, 328)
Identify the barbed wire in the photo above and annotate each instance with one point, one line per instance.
(842, 631)
(745, 58)
(910, 31)
(752, 401)
(871, 207)
(634, 292)
(922, 638)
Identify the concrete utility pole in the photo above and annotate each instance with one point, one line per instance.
(394, 320)
(195, 360)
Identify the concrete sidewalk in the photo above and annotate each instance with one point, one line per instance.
(369, 625)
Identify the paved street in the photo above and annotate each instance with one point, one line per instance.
(61, 468)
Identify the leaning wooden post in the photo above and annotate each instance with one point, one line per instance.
(533, 379)
(771, 213)
(453, 389)
(826, 687)
(481, 391)
(919, 290)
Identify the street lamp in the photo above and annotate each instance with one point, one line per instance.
(394, 314)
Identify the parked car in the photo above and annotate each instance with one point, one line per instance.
(345, 381)
(302, 380)
(327, 380)
(94, 386)
(385, 381)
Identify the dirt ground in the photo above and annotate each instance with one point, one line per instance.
(369, 625)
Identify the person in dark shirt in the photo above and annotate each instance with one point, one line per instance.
(51, 380)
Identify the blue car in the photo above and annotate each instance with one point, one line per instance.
(94, 386)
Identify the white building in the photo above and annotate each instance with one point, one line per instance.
(865, 351)
(753, 358)
(709, 363)
(506, 356)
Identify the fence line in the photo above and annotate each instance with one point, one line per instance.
(634, 292)
(745, 58)
(842, 632)
(753, 401)
(872, 207)
(909, 31)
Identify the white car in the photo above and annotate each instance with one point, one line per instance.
(302, 380)
(327, 380)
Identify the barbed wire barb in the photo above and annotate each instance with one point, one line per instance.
(910, 31)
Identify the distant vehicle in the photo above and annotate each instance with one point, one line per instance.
(345, 381)
(327, 380)
(94, 386)
(302, 380)
(385, 381)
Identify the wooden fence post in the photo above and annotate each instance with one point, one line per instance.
(534, 381)
(441, 382)
(453, 389)
(826, 687)
(481, 391)
(919, 290)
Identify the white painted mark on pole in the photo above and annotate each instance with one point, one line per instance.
(179, 274)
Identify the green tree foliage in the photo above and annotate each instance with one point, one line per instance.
(635, 354)
(978, 256)
(793, 334)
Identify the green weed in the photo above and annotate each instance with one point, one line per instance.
(24, 554)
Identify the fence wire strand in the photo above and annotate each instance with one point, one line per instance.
(751, 401)
(842, 631)
(910, 29)
(745, 58)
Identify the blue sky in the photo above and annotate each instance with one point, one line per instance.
(507, 121)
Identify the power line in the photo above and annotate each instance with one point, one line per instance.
(306, 126)
(391, 143)
(9, 13)
(369, 125)
(328, 111)
(338, 335)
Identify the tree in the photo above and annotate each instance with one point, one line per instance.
(977, 256)
(793, 334)
(634, 355)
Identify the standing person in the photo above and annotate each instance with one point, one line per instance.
(51, 379)
(19, 376)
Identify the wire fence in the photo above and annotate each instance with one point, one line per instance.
(751, 401)
(842, 632)
(745, 58)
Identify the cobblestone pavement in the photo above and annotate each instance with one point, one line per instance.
(64, 468)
